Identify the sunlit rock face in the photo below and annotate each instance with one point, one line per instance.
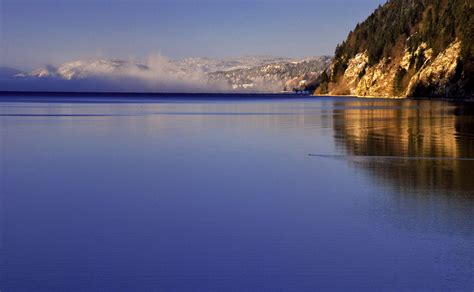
(355, 67)
(408, 48)
(436, 73)
(379, 80)
(411, 145)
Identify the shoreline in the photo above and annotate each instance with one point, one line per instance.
(85, 93)
(211, 95)
(397, 98)
(111, 94)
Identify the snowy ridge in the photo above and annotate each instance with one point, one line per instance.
(158, 73)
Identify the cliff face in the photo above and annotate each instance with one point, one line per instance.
(408, 48)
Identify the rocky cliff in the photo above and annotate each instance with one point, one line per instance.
(408, 48)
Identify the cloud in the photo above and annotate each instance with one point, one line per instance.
(160, 74)
(156, 74)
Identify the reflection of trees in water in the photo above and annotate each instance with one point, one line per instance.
(428, 129)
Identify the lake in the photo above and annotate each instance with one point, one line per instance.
(101, 193)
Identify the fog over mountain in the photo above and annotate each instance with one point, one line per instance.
(161, 74)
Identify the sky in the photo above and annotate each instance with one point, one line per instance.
(35, 33)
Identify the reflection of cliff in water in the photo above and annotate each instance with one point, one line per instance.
(418, 129)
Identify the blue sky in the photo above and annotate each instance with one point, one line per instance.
(38, 32)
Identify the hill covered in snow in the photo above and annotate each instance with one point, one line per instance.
(161, 74)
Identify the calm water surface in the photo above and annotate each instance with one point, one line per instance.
(232, 194)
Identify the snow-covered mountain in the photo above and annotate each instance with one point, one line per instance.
(294, 75)
(83, 69)
(209, 65)
(251, 73)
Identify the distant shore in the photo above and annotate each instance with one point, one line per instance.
(398, 98)
(37, 95)
(234, 95)
(112, 93)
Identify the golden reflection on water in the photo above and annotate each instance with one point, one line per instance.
(410, 145)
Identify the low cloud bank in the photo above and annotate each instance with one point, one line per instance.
(160, 74)
(156, 74)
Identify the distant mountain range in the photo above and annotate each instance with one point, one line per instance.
(284, 75)
(245, 74)
(408, 48)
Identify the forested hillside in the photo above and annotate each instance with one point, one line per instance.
(419, 48)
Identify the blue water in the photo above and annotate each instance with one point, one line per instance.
(226, 193)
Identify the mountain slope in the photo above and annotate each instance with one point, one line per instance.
(278, 76)
(208, 65)
(408, 48)
(250, 74)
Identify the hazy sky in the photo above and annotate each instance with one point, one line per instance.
(38, 32)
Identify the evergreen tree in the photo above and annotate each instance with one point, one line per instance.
(324, 83)
(401, 24)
